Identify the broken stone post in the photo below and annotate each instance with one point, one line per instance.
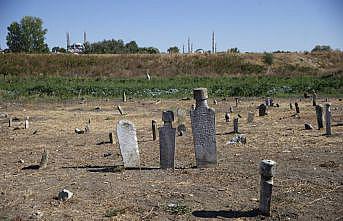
(267, 171)
(262, 110)
(44, 160)
(127, 138)
(111, 137)
(319, 114)
(297, 108)
(235, 125)
(120, 110)
(204, 130)
(291, 106)
(314, 99)
(124, 97)
(328, 118)
(10, 122)
(236, 99)
(154, 129)
(167, 141)
(250, 117)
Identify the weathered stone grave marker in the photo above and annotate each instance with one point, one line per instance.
(328, 118)
(267, 171)
(262, 110)
(154, 129)
(124, 97)
(127, 138)
(297, 109)
(314, 99)
(235, 125)
(44, 160)
(167, 141)
(236, 99)
(319, 114)
(204, 130)
(230, 109)
(111, 137)
(10, 122)
(26, 123)
(120, 110)
(227, 117)
(251, 116)
(291, 106)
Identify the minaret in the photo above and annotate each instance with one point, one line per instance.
(189, 45)
(183, 49)
(84, 37)
(213, 43)
(68, 40)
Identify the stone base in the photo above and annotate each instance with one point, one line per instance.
(203, 164)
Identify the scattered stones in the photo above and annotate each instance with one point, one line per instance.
(181, 130)
(227, 117)
(238, 138)
(308, 126)
(262, 110)
(64, 195)
(127, 138)
(107, 154)
(267, 171)
(204, 130)
(167, 141)
(319, 114)
(44, 160)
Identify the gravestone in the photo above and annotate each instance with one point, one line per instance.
(314, 99)
(328, 118)
(181, 129)
(204, 130)
(44, 160)
(267, 171)
(230, 109)
(111, 137)
(124, 97)
(236, 99)
(297, 108)
(127, 138)
(167, 141)
(235, 125)
(291, 106)
(26, 124)
(319, 114)
(250, 117)
(154, 129)
(10, 122)
(227, 117)
(120, 110)
(262, 110)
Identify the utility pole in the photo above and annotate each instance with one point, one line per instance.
(183, 49)
(213, 43)
(189, 45)
(68, 41)
(84, 37)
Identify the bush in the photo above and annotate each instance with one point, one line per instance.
(268, 58)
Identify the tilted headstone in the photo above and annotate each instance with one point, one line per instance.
(167, 141)
(251, 116)
(262, 110)
(319, 114)
(154, 129)
(267, 171)
(297, 109)
(127, 138)
(235, 125)
(204, 130)
(328, 118)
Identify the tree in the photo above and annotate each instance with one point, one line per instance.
(27, 36)
(326, 48)
(233, 50)
(58, 50)
(268, 58)
(132, 47)
(173, 50)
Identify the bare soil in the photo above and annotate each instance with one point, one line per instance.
(308, 184)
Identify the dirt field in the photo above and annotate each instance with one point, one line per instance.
(308, 184)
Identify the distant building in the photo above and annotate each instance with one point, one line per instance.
(77, 48)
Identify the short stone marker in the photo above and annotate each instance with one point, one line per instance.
(44, 160)
(167, 141)
(267, 171)
(215, 102)
(314, 99)
(308, 126)
(251, 116)
(235, 125)
(26, 123)
(230, 109)
(319, 114)
(262, 110)
(204, 130)
(291, 106)
(297, 108)
(111, 137)
(236, 99)
(124, 97)
(328, 118)
(127, 138)
(120, 110)
(227, 117)
(181, 129)
(10, 122)
(154, 129)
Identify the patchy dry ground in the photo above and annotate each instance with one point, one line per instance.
(308, 184)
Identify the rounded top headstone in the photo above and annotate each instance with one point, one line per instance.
(168, 116)
(200, 93)
(267, 168)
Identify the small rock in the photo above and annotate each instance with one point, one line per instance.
(97, 109)
(21, 161)
(308, 126)
(238, 138)
(79, 131)
(107, 154)
(36, 215)
(64, 195)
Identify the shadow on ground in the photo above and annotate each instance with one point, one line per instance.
(225, 214)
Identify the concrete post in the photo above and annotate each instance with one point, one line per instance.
(319, 114)
(297, 108)
(328, 118)
(154, 129)
(267, 171)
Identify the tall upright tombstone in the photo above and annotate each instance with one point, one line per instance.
(167, 135)
(262, 110)
(204, 130)
(319, 114)
(267, 171)
(127, 138)
(297, 109)
(314, 98)
(328, 118)
(250, 117)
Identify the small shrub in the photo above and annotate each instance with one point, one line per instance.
(268, 58)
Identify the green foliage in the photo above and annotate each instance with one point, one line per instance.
(28, 36)
(268, 58)
(319, 48)
(177, 209)
(233, 50)
(173, 50)
(58, 49)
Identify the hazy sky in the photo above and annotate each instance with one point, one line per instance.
(250, 25)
